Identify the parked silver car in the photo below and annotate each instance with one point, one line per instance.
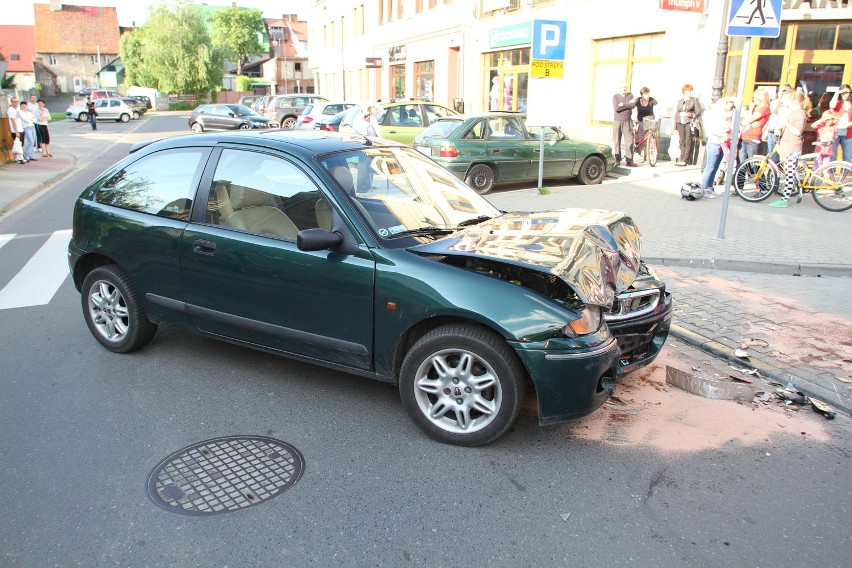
(107, 109)
(284, 109)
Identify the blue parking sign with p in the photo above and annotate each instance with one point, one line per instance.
(549, 40)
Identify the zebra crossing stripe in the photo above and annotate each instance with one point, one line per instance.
(6, 238)
(38, 281)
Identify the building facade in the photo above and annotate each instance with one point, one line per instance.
(475, 54)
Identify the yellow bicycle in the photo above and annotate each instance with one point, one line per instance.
(831, 185)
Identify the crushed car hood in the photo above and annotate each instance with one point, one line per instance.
(596, 252)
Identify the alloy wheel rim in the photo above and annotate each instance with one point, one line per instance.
(458, 391)
(108, 311)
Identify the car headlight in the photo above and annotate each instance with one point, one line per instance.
(588, 322)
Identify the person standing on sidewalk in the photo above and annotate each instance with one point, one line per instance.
(774, 118)
(622, 131)
(15, 125)
(644, 109)
(790, 145)
(29, 133)
(33, 106)
(718, 121)
(841, 105)
(753, 122)
(687, 111)
(42, 118)
(92, 112)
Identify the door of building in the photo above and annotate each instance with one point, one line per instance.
(814, 73)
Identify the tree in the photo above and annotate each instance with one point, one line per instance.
(172, 52)
(235, 31)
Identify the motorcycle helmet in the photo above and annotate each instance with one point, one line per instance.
(691, 191)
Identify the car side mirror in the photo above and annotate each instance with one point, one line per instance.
(318, 239)
(231, 114)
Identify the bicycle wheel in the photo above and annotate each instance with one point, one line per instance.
(834, 191)
(651, 150)
(756, 179)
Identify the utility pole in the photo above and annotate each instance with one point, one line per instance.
(721, 55)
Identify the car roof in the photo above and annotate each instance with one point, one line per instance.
(305, 143)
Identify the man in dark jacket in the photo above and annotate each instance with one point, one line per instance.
(622, 131)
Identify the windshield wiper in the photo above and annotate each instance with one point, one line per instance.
(422, 231)
(475, 221)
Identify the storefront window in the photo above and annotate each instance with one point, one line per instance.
(506, 75)
(769, 68)
(397, 81)
(816, 36)
(636, 61)
(844, 36)
(779, 42)
(424, 78)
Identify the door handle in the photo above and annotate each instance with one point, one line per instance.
(495, 150)
(537, 151)
(204, 247)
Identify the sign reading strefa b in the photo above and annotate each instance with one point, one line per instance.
(549, 40)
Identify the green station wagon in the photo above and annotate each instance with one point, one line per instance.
(497, 147)
(364, 256)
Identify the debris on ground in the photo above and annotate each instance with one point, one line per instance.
(741, 379)
(565, 516)
(844, 379)
(822, 408)
(741, 353)
(720, 388)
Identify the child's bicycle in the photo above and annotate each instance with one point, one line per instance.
(648, 140)
(831, 184)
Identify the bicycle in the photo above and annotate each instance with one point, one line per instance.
(830, 185)
(649, 139)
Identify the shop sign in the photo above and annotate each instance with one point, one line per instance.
(396, 53)
(374, 63)
(699, 6)
(510, 35)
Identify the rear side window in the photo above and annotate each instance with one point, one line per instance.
(162, 184)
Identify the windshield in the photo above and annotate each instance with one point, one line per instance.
(440, 129)
(400, 192)
(241, 110)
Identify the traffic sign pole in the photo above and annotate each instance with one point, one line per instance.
(735, 133)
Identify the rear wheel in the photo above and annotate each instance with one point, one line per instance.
(480, 178)
(245, 126)
(592, 170)
(289, 123)
(756, 179)
(651, 150)
(837, 197)
(197, 127)
(462, 385)
(113, 311)
(136, 115)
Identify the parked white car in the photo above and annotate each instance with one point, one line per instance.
(107, 109)
(315, 114)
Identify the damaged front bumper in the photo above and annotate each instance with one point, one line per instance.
(640, 323)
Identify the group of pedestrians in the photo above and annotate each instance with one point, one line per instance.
(28, 125)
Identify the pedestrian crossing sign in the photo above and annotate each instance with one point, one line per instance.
(755, 18)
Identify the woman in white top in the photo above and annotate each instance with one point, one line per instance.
(42, 118)
(841, 104)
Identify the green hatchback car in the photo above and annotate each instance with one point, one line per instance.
(497, 147)
(400, 121)
(367, 257)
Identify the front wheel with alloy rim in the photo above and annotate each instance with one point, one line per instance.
(592, 170)
(83, 117)
(197, 127)
(113, 312)
(124, 117)
(245, 126)
(462, 385)
(480, 178)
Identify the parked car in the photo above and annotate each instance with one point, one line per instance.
(258, 105)
(144, 99)
(138, 106)
(247, 100)
(331, 123)
(285, 109)
(85, 92)
(401, 120)
(369, 258)
(495, 147)
(227, 117)
(317, 113)
(107, 109)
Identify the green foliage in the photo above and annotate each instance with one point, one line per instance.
(172, 52)
(235, 32)
(181, 105)
(243, 83)
(543, 190)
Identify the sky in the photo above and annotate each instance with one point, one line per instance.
(20, 12)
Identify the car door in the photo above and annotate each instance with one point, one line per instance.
(402, 123)
(560, 153)
(105, 112)
(246, 279)
(508, 148)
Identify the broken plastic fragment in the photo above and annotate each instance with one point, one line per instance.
(844, 379)
(754, 343)
(741, 353)
(741, 379)
(565, 516)
(791, 395)
(822, 408)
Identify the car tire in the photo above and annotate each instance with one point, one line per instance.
(82, 117)
(245, 126)
(124, 117)
(197, 127)
(289, 123)
(136, 115)
(592, 170)
(480, 178)
(467, 363)
(113, 311)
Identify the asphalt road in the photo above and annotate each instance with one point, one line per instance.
(657, 478)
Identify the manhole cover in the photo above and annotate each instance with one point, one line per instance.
(225, 474)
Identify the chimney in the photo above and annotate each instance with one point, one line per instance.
(55, 5)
